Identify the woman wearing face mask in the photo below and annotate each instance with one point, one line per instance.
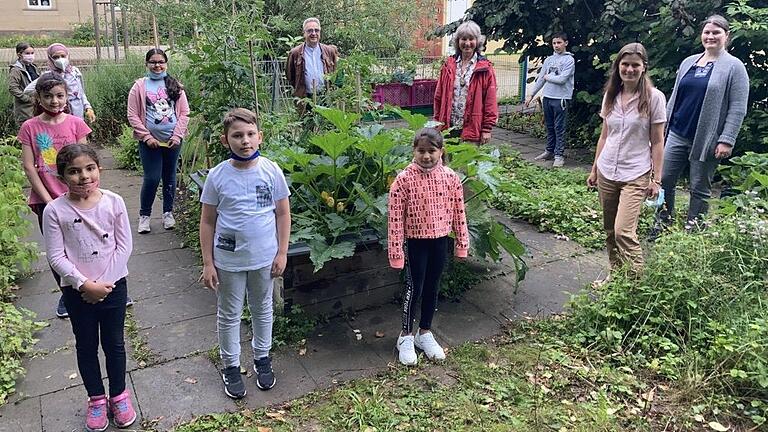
(20, 74)
(58, 62)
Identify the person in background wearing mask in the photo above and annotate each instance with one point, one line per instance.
(20, 74)
(58, 62)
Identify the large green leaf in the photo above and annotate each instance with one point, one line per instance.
(343, 121)
(320, 252)
(415, 121)
(334, 144)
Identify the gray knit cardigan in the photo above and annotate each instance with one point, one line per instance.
(723, 108)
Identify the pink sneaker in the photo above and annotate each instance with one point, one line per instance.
(96, 415)
(122, 410)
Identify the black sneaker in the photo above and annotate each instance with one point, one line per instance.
(129, 302)
(61, 309)
(265, 377)
(233, 382)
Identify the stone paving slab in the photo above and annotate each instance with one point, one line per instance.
(177, 390)
(23, 416)
(182, 338)
(172, 308)
(338, 356)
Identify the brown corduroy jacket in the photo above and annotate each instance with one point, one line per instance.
(294, 68)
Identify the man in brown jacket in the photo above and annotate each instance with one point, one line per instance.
(310, 61)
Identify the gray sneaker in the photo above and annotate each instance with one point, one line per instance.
(168, 221)
(559, 162)
(547, 155)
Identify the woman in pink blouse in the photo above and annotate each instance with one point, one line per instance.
(629, 154)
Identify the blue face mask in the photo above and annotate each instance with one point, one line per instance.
(157, 76)
(255, 154)
(658, 202)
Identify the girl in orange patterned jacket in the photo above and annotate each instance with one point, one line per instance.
(426, 204)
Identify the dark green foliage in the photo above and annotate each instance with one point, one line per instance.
(698, 311)
(524, 123)
(107, 86)
(127, 152)
(16, 324)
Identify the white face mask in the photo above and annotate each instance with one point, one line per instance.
(61, 63)
(28, 58)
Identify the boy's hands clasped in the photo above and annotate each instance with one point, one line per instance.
(95, 291)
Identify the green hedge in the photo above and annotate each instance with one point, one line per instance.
(17, 325)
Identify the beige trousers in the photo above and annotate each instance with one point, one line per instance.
(622, 203)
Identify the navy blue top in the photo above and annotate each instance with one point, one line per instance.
(690, 96)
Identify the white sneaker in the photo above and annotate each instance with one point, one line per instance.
(427, 343)
(545, 156)
(559, 162)
(143, 225)
(407, 351)
(168, 221)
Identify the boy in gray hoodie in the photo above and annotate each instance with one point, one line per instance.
(556, 77)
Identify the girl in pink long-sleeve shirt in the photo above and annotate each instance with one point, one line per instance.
(426, 204)
(88, 243)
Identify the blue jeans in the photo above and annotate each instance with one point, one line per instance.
(158, 163)
(235, 288)
(554, 118)
(676, 157)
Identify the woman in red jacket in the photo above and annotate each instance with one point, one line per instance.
(465, 98)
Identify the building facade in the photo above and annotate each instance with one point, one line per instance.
(33, 16)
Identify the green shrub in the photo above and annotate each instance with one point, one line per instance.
(7, 122)
(16, 338)
(553, 200)
(524, 123)
(127, 153)
(698, 311)
(459, 277)
(107, 86)
(15, 255)
(16, 325)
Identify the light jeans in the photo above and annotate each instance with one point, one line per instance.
(235, 288)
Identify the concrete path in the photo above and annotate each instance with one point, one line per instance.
(176, 318)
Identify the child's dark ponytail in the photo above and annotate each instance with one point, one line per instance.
(172, 86)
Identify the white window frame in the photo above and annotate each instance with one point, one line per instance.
(39, 7)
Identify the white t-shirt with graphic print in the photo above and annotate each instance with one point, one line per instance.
(246, 231)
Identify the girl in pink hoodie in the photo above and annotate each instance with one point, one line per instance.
(426, 204)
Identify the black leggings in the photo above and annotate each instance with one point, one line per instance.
(89, 321)
(425, 260)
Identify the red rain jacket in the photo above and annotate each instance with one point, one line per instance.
(481, 111)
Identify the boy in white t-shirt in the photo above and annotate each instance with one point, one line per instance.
(244, 230)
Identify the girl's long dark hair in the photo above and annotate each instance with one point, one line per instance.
(172, 85)
(614, 84)
(71, 152)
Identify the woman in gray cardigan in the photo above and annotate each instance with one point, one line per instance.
(704, 114)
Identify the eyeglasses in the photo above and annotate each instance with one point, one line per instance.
(312, 31)
(155, 63)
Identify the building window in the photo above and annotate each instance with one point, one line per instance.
(40, 4)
